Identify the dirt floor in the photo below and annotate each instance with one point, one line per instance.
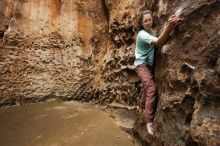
(60, 124)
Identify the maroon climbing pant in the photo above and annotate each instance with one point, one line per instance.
(147, 98)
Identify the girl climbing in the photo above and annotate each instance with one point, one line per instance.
(144, 56)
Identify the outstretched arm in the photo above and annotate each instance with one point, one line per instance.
(172, 22)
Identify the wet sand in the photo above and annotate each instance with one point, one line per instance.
(60, 124)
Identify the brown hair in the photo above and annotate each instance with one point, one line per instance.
(144, 12)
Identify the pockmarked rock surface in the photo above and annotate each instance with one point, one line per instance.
(51, 49)
(84, 50)
(67, 49)
(188, 79)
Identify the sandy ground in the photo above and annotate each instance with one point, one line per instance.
(60, 124)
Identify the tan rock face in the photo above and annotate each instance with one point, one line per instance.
(50, 48)
(84, 50)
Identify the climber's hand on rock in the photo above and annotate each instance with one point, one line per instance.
(173, 21)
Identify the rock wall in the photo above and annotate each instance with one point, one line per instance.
(188, 77)
(50, 48)
(84, 50)
(69, 49)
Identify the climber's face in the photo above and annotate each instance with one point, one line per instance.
(147, 21)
